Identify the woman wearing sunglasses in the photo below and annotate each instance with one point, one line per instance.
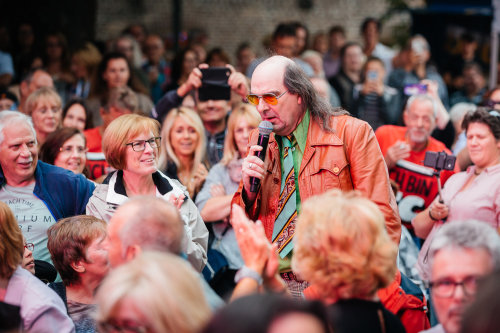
(472, 194)
(131, 144)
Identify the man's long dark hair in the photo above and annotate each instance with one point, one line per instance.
(297, 82)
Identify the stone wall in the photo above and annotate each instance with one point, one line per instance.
(229, 22)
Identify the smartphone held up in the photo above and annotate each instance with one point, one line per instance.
(214, 85)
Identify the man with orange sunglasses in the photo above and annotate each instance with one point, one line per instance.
(314, 148)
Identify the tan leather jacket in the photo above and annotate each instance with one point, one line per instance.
(348, 158)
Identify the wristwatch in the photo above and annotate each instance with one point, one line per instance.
(246, 272)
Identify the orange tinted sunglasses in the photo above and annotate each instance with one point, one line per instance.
(269, 98)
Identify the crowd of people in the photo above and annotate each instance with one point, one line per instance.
(139, 192)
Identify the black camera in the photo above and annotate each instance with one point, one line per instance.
(439, 160)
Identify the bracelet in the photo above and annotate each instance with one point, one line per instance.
(432, 217)
(246, 272)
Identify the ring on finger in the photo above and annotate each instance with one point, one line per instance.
(250, 166)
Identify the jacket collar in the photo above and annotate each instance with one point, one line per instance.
(317, 136)
(117, 193)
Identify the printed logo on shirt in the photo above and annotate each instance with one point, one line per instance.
(417, 188)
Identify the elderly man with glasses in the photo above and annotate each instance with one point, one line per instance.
(461, 253)
(314, 148)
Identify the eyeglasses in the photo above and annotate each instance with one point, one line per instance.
(446, 288)
(269, 98)
(140, 145)
(29, 246)
(70, 149)
(126, 327)
(491, 103)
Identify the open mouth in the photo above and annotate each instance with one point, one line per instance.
(25, 165)
(269, 118)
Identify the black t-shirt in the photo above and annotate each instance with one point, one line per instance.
(357, 315)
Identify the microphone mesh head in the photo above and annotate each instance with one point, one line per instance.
(265, 127)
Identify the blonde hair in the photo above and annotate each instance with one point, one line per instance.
(120, 131)
(193, 119)
(168, 290)
(251, 115)
(341, 245)
(11, 242)
(42, 94)
(90, 56)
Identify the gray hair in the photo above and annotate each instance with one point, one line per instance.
(155, 225)
(422, 40)
(421, 98)
(11, 117)
(458, 111)
(297, 82)
(470, 234)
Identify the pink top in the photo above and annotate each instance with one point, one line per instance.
(480, 201)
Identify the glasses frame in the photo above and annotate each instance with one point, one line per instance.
(263, 96)
(137, 147)
(84, 151)
(29, 246)
(463, 283)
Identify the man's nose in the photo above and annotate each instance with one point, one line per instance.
(459, 294)
(25, 149)
(420, 122)
(262, 105)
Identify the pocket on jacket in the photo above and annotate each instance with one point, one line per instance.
(329, 174)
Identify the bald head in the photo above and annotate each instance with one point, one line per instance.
(283, 78)
(144, 223)
(275, 64)
(38, 79)
(32, 82)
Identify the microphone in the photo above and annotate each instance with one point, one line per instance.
(265, 129)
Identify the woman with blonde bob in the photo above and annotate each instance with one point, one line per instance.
(131, 144)
(342, 248)
(39, 307)
(214, 199)
(45, 108)
(184, 154)
(155, 293)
